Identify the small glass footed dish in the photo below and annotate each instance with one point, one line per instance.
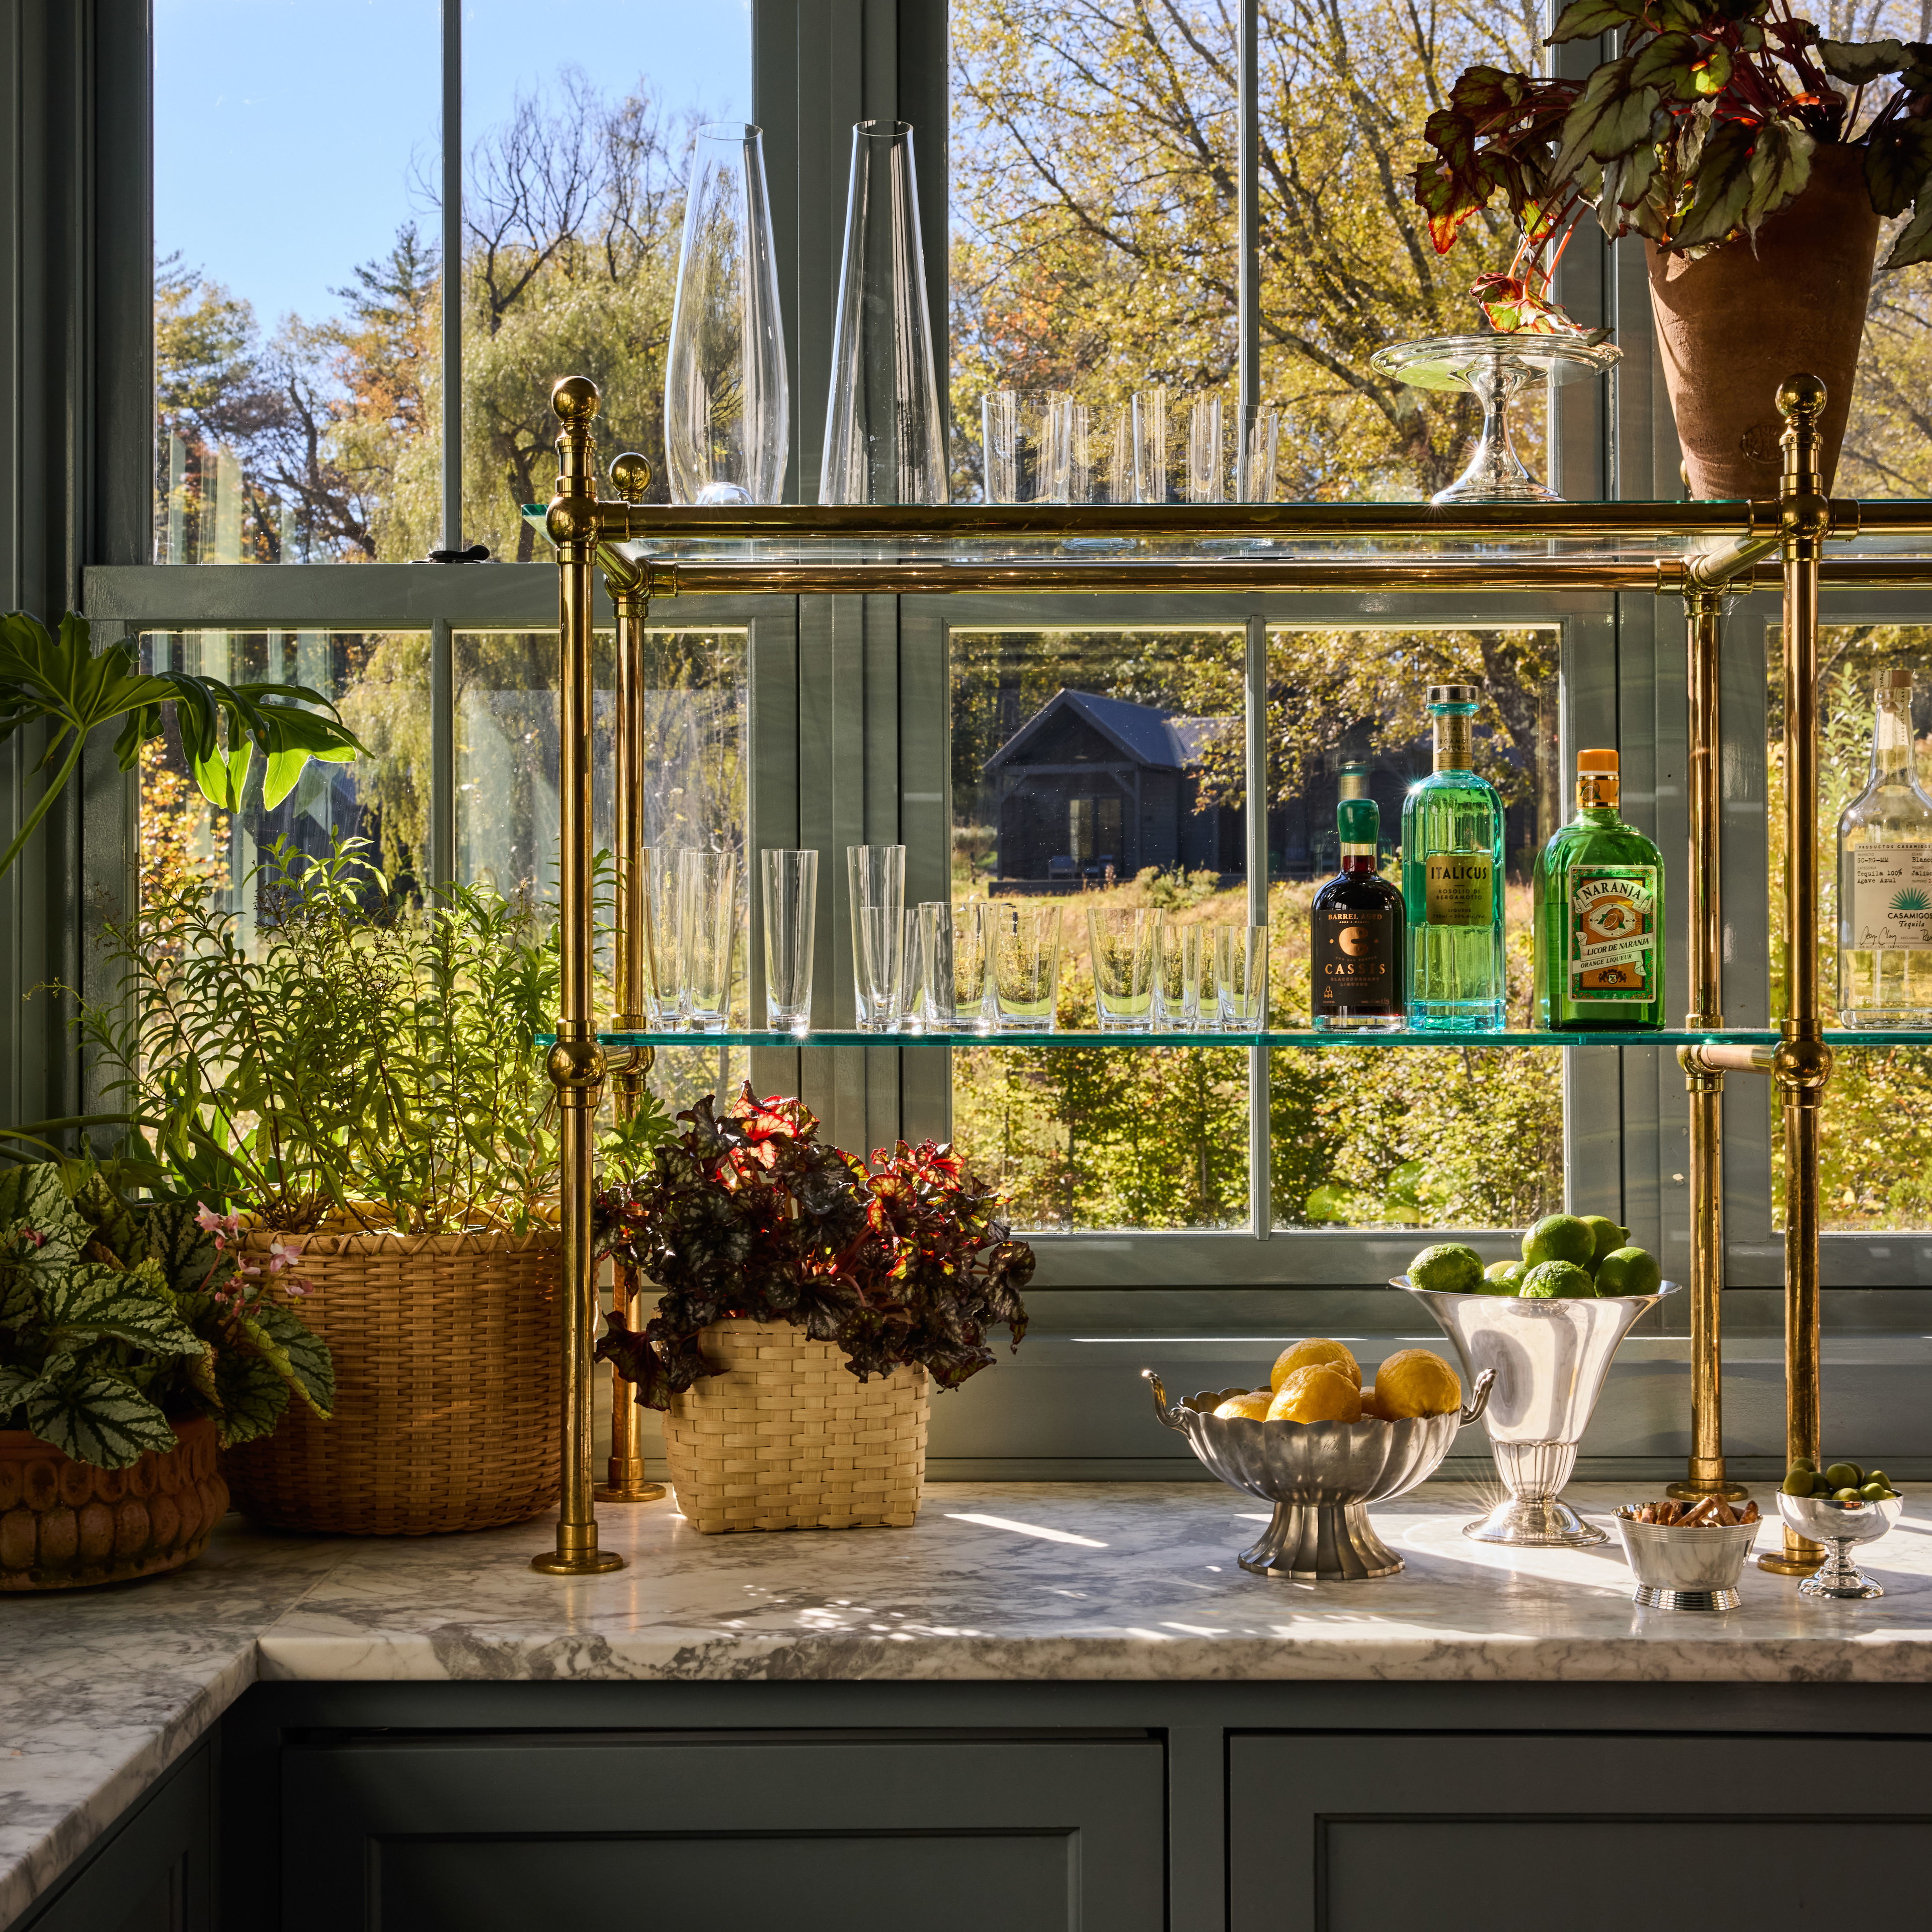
(1840, 1525)
(1680, 1566)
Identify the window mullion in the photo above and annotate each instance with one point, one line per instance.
(1248, 214)
(1261, 1192)
(452, 274)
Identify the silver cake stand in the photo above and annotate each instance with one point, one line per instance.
(1495, 369)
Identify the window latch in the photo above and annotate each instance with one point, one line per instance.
(476, 554)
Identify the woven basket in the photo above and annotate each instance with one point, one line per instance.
(786, 1437)
(448, 1384)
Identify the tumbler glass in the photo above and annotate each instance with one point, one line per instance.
(1255, 463)
(791, 881)
(1151, 476)
(663, 965)
(1241, 976)
(1125, 946)
(1023, 946)
(1181, 952)
(912, 977)
(875, 876)
(707, 913)
(1024, 441)
(952, 964)
(1206, 474)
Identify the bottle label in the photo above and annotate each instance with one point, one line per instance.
(1613, 932)
(1354, 952)
(1891, 897)
(1459, 888)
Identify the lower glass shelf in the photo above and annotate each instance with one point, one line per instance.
(1298, 1037)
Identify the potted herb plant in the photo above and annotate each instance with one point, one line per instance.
(364, 1083)
(1756, 158)
(806, 1305)
(134, 1342)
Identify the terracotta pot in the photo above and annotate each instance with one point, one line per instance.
(64, 1524)
(1734, 324)
(448, 1383)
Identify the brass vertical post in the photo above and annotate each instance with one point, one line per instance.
(576, 1064)
(1803, 1063)
(1703, 609)
(625, 1480)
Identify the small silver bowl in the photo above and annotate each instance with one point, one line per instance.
(1320, 1476)
(1840, 1526)
(1695, 1568)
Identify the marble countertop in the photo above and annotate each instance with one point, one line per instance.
(100, 1691)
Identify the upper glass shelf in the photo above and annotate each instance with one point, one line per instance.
(1295, 1037)
(1615, 542)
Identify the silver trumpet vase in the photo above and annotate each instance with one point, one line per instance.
(1549, 1359)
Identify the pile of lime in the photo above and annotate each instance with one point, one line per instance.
(1565, 1257)
(1837, 1482)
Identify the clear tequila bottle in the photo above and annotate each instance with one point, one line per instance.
(1885, 879)
(1452, 879)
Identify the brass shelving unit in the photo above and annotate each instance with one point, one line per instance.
(1700, 553)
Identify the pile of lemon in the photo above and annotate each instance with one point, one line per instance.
(1320, 1381)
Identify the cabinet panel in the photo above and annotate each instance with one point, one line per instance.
(481, 1833)
(1338, 1833)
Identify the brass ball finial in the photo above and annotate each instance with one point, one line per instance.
(631, 476)
(1801, 396)
(575, 398)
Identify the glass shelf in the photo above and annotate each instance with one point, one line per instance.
(1294, 1037)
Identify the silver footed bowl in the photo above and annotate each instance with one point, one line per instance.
(1320, 1476)
(1841, 1527)
(1549, 1359)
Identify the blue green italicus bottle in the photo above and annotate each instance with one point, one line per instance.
(1599, 898)
(1452, 879)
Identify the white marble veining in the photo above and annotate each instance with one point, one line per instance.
(100, 1691)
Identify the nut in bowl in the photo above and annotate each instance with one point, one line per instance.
(1687, 1556)
(1322, 1473)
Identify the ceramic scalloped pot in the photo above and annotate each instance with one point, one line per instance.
(64, 1525)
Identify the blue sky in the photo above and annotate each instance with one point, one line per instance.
(287, 133)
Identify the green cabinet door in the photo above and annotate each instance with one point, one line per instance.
(765, 1833)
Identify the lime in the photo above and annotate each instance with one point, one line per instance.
(1609, 1235)
(1447, 1268)
(1628, 1271)
(1560, 1238)
(1875, 1493)
(1556, 1281)
(1844, 1475)
(1502, 1278)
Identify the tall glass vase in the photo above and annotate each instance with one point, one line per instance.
(885, 440)
(727, 404)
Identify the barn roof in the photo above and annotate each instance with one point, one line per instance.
(1144, 735)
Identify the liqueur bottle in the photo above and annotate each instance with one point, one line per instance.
(1356, 928)
(1599, 896)
(1885, 879)
(1452, 878)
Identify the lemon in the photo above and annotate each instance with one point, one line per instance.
(1414, 1381)
(1556, 1281)
(1317, 1393)
(1447, 1268)
(1307, 1355)
(1252, 1407)
(1609, 1236)
(1560, 1238)
(1628, 1271)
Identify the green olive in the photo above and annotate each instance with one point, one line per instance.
(1875, 1493)
(1847, 1495)
(1880, 1477)
(1844, 1475)
(1822, 1487)
(1803, 1462)
(1798, 1482)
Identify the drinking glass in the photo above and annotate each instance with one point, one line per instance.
(1206, 475)
(1180, 955)
(707, 917)
(1023, 947)
(1025, 445)
(791, 881)
(952, 964)
(875, 875)
(727, 404)
(885, 440)
(664, 966)
(911, 1015)
(1254, 462)
(1149, 446)
(1125, 941)
(1241, 976)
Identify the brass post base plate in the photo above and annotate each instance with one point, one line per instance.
(1780, 1564)
(584, 1563)
(1691, 1491)
(628, 1492)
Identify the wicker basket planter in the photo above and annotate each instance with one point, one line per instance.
(448, 1381)
(64, 1524)
(786, 1437)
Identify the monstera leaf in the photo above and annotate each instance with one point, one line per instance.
(95, 1418)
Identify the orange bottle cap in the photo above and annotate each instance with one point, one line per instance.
(1597, 761)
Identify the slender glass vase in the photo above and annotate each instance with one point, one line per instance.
(728, 402)
(885, 440)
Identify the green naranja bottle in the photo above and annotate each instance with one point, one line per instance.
(1599, 895)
